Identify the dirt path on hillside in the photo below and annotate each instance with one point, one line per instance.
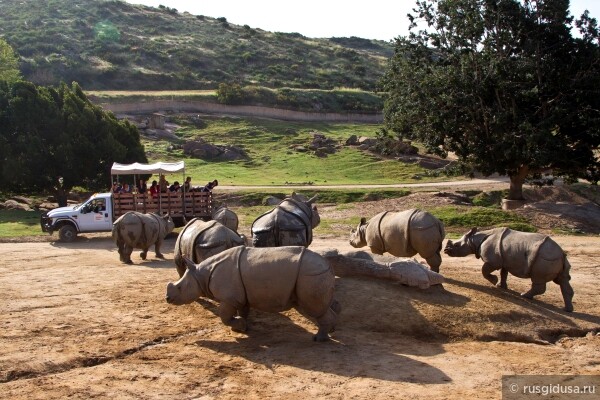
(479, 183)
(78, 323)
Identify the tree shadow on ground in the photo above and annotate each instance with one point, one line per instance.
(532, 306)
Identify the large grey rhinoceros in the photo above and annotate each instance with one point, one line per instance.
(525, 255)
(267, 279)
(290, 223)
(200, 240)
(402, 234)
(226, 217)
(140, 231)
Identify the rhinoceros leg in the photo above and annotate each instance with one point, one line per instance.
(229, 317)
(120, 247)
(157, 249)
(434, 262)
(536, 288)
(566, 290)
(326, 324)
(487, 270)
(376, 251)
(503, 277)
(243, 313)
(568, 293)
(127, 250)
(336, 307)
(144, 253)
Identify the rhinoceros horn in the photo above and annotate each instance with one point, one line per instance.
(312, 199)
(189, 263)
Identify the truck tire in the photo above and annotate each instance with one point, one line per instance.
(67, 233)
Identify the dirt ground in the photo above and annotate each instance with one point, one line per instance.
(77, 323)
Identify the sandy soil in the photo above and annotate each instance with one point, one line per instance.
(76, 323)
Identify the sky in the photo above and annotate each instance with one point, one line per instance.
(368, 19)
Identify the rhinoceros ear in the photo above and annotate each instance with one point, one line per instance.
(189, 264)
(472, 231)
(363, 221)
(312, 199)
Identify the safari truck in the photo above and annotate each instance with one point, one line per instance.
(98, 213)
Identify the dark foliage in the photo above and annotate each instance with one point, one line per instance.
(48, 132)
(503, 84)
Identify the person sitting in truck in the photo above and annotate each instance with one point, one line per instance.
(154, 189)
(163, 184)
(210, 186)
(187, 185)
(175, 187)
(126, 188)
(116, 188)
(100, 206)
(142, 187)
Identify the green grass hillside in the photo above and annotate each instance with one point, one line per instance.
(110, 44)
(271, 160)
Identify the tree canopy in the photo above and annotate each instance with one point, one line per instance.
(9, 63)
(501, 83)
(48, 132)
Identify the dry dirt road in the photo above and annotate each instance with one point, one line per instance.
(76, 323)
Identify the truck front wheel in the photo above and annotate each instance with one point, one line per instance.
(67, 233)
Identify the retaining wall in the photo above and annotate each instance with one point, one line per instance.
(147, 107)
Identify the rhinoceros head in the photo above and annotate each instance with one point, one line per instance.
(463, 247)
(169, 223)
(186, 289)
(315, 218)
(357, 237)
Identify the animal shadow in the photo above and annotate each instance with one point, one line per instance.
(273, 339)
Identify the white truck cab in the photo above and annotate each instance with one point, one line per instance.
(93, 215)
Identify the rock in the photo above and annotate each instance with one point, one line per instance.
(22, 199)
(428, 164)
(364, 140)
(15, 205)
(272, 201)
(320, 153)
(47, 206)
(352, 140)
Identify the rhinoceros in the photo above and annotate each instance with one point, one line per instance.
(200, 240)
(226, 217)
(140, 231)
(407, 271)
(266, 279)
(523, 254)
(290, 223)
(402, 234)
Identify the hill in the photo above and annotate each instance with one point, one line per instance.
(109, 44)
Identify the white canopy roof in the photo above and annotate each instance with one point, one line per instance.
(138, 168)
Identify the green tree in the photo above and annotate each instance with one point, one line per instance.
(230, 93)
(501, 83)
(9, 63)
(49, 132)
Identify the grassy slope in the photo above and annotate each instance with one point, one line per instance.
(116, 45)
(272, 162)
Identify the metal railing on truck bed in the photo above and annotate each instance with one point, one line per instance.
(188, 205)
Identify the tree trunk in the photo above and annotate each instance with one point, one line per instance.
(516, 184)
